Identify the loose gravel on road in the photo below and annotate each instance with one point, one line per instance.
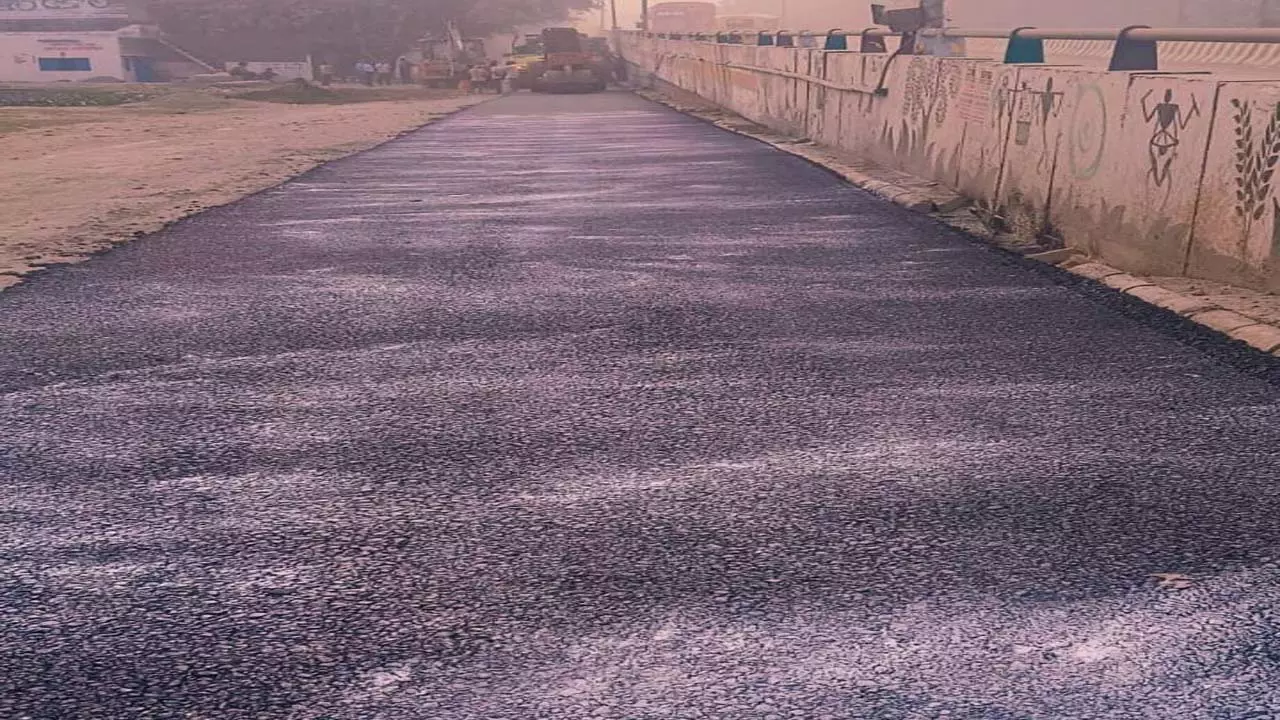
(574, 407)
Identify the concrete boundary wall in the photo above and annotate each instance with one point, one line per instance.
(1155, 173)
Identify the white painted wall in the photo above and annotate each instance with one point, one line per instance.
(20, 54)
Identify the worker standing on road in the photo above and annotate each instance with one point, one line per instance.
(480, 77)
(496, 72)
(509, 77)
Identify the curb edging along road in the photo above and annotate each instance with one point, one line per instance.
(932, 198)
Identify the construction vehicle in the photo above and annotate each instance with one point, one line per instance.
(523, 56)
(445, 58)
(567, 65)
(440, 73)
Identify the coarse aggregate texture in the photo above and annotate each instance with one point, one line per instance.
(574, 407)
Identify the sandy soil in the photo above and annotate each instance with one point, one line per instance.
(78, 180)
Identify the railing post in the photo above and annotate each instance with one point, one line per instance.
(872, 43)
(1131, 54)
(1023, 50)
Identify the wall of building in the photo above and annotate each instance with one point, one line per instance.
(20, 55)
(1159, 174)
(66, 10)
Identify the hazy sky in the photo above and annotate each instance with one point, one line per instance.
(823, 14)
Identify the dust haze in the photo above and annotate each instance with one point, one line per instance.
(825, 14)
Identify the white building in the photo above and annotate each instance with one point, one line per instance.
(59, 40)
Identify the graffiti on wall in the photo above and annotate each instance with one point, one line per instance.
(1256, 159)
(928, 94)
(1034, 109)
(976, 88)
(1168, 119)
(1002, 101)
(1087, 131)
(61, 9)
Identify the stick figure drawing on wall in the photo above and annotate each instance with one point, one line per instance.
(1166, 135)
(1036, 107)
(1050, 104)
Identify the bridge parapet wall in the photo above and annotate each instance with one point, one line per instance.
(1158, 174)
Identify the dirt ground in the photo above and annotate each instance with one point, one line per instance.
(81, 179)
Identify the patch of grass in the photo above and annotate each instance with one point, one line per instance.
(70, 96)
(301, 92)
(298, 92)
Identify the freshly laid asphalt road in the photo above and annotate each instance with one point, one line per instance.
(574, 407)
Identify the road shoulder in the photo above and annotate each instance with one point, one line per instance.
(108, 175)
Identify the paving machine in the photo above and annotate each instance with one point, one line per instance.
(568, 65)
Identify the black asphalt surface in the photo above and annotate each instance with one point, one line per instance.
(574, 407)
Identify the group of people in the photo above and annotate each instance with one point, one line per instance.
(371, 73)
(384, 73)
(490, 78)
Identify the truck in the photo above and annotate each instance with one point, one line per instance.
(682, 17)
(567, 65)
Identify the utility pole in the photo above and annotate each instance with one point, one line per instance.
(935, 13)
(613, 10)
(644, 15)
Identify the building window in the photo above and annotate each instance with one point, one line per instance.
(65, 64)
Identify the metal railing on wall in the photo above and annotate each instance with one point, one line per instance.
(1135, 48)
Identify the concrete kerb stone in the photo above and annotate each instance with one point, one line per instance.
(1258, 335)
(1263, 337)
(1095, 271)
(1124, 282)
(1164, 298)
(1224, 321)
(914, 201)
(949, 202)
(1053, 257)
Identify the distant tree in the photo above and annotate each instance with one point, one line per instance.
(232, 30)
